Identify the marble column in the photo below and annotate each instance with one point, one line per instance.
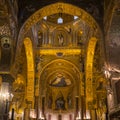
(12, 114)
(93, 115)
(70, 117)
(49, 117)
(0, 81)
(36, 107)
(43, 105)
(26, 114)
(82, 107)
(59, 117)
(77, 105)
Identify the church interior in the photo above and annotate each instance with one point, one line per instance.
(59, 59)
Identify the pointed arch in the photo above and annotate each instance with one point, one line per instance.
(54, 9)
(30, 70)
(72, 10)
(89, 68)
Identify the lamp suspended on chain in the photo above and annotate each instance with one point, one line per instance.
(60, 19)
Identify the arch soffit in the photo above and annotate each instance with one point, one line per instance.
(29, 53)
(114, 9)
(58, 61)
(30, 69)
(89, 67)
(61, 61)
(55, 73)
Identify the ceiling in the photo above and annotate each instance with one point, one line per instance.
(95, 7)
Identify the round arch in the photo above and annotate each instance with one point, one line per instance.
(89, 69)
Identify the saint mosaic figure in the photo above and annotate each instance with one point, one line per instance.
(60, 81)
(60, 39)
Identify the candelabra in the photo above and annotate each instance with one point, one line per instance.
(5, 98)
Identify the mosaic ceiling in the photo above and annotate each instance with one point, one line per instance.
(27, 8)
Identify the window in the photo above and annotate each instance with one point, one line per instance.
(60, 20)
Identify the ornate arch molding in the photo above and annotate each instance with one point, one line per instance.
(54, 9)
(49, 10)
(59, 8)
(30, 70)
(58, 61)
(89, 68)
